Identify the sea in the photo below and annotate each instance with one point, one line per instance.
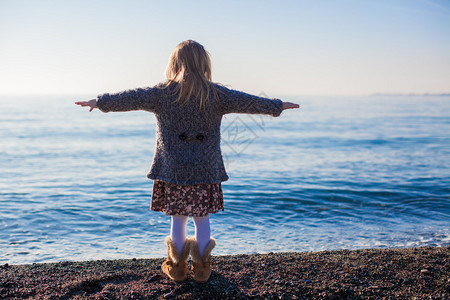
(341, 172)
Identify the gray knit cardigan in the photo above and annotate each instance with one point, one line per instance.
(187, 137)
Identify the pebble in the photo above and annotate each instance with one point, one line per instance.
(168, 295)
(263, 265)
(424, 271)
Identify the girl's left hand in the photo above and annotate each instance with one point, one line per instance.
(289, 105)
(91, 103)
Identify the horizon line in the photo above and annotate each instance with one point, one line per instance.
(261, 94)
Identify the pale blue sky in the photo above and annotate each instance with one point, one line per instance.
(330, 47)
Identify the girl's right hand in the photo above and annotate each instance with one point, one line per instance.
(288, 105)
(91, 103)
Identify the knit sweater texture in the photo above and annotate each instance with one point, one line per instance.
(187, 137)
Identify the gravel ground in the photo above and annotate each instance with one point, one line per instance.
(411, 273)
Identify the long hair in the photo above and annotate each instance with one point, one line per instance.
(189, 72)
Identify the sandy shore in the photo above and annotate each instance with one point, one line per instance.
(420, 273)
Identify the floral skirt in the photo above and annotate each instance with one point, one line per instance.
(186, 200)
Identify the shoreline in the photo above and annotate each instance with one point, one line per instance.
(391, 273)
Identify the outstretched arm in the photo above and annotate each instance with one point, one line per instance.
(147, 99)
(233, 101)
(91, 103)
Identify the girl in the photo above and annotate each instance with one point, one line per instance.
(187, 168)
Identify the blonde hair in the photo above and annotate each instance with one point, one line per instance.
(189, 72)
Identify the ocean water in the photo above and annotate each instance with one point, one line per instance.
(340, 172)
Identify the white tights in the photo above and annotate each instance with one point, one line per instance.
(202, 232)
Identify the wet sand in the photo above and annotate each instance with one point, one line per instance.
(420, 273)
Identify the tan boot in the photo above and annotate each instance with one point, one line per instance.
(176, 264)
(201, 266)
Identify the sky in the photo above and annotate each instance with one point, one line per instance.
(323, 47)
